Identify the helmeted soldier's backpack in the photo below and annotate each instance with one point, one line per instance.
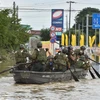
(61, 59)
(41, 55)
(83, 63)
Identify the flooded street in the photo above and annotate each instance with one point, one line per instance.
(86, 89)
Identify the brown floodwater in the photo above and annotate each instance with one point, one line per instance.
(85, 89)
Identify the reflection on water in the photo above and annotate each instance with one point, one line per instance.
(86, 89)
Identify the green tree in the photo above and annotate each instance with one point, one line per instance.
(45, 34)
(81, 19)
(11, 31)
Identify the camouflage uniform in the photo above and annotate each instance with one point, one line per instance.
(20, 57)
(71, 55)
(83, 62)
(50, 63)
(39, 58)
(80, 51)
(61, 61)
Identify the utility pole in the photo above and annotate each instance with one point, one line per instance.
(87, 29)
(66, 23)
(79, 35)
(70, 2)
(17, 13)
(14, 11)
(82, 25)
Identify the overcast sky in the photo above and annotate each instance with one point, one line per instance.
(39, 19)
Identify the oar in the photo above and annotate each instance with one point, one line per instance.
(74, 77)
(5, 70)
(13, 67)
(92, 74)
(93, 60)
(96, 72)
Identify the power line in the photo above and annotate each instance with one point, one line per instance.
(45, 4)
(42, 10)
(34, 9)
(30, 7)
(88, 3)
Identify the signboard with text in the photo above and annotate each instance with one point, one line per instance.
(57, 19)
(96, 21)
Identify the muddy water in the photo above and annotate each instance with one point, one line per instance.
(86, 89)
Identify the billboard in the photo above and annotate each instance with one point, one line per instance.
(57, 19)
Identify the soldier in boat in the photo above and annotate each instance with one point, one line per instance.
(83, 62)
(21, 57)
(50, 63)
(61, 62)
(80, 51)
(82, 59)
(71, 56)
(39, 58)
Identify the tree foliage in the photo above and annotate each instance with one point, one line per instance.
(11, 31)
(81, 19)
(45, 34)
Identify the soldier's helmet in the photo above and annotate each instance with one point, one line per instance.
(22, 46)
(65, 50)
(39, 45)
(70, 47)
(82, 47)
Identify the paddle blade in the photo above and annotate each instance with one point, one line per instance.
(96, 72)
(74, 77)
(92, 74)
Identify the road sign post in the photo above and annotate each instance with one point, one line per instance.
(52, 28)
(52, 40)
(52, 34)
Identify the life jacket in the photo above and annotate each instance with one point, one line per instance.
(41, 55)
